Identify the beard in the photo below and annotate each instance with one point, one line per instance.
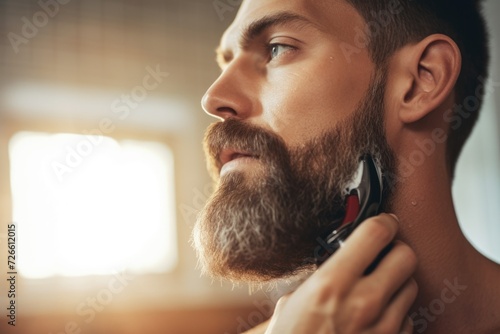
(263, 225)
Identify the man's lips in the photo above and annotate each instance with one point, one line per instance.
(229, 155)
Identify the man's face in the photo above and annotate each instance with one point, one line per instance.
(298, 115)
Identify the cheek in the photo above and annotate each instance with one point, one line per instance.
(301, 101)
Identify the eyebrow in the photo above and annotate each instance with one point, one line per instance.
(258, 27)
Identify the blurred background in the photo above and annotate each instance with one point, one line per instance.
(102, 170)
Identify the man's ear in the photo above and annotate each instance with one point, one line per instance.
(426, 76)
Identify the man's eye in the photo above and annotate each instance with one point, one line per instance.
(276, 50)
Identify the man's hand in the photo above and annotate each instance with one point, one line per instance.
(338, 298)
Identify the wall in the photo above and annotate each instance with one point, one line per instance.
(101, 49)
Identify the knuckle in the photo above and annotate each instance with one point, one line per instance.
(362, 309)
(321, 291)
(324, 288)
(328, 295)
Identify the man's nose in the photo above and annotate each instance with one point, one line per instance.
(230, 95)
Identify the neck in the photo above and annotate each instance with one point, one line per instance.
(457, 285)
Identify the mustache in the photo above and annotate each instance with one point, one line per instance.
(243, 137)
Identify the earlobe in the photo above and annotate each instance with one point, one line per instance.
(431, 69)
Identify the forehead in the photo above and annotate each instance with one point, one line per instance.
(331, 16)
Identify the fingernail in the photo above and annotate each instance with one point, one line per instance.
(394, 216)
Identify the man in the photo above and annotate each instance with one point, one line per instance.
(307, 87)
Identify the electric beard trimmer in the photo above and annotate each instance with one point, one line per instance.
(362, 202)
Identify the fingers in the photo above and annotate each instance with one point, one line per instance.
(343, 297)
(392, 272)
(369, 298)
(360, 249)
(395, 319)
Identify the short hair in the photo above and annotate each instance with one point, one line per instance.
(414, 20)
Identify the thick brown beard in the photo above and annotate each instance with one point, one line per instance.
(260, 227)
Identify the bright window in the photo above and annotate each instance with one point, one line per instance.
(91, 205)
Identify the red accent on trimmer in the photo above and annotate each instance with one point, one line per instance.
(352, 209)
